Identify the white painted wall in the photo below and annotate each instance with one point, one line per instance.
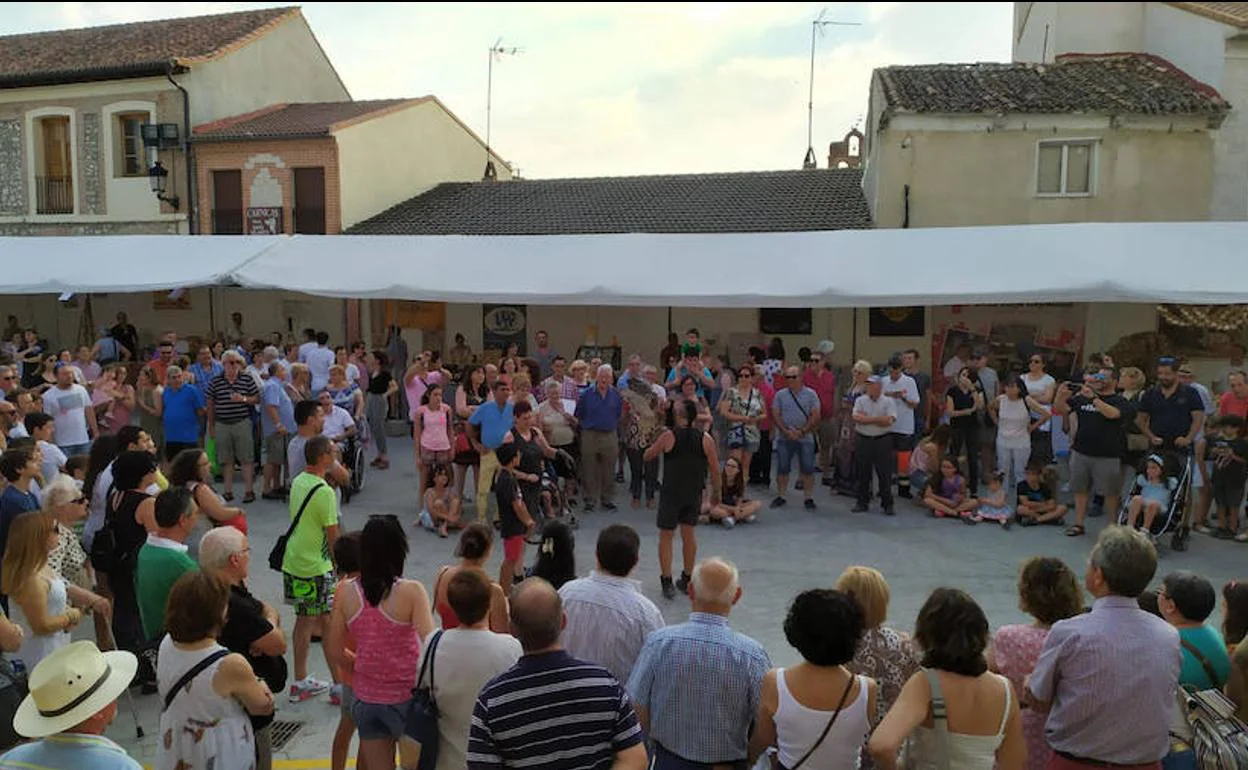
(1076, 28)
(126, 197)
(388, 159)
(1230, 149)
(284, 65)
(1193, 43)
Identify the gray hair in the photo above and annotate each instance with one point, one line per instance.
(726, 595)
(271, 353)
(275, 368)
(606, 368)
(552, 385)
(218, 545)
(1126, 558)
(862, 366)
(232, 355)
(173, 369)
(648, 368)
(62, 490)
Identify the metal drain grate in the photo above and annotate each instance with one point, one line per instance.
(282, 732)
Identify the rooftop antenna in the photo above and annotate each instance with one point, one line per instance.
(497, 50)
(816, 27)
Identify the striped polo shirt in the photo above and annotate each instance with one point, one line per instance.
(219, 392)
(553, 711)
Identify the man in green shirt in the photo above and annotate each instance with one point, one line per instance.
(307, 571)
(163, 558)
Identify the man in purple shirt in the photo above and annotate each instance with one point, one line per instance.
(1108, 678)
(599, 412)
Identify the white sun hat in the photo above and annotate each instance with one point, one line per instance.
(70, 686)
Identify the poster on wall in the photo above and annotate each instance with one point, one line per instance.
(178, 299)
(264, 220)
(1008, 345)
(897, 321)
(502, 325)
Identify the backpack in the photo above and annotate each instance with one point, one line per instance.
(1219, 739)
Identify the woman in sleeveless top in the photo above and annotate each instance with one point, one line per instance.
(193, 470)
(388, 617)
(1048, 591)
(149, 399)
(470, 394)
(208, 721)
(817, 714)
(983, 727)
(432, 433)
(475, 544)
(533, 450)
(743, 410)
(1012, 412)
(127, 506)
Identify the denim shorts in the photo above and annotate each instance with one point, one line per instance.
(787, 449)
(378, 721)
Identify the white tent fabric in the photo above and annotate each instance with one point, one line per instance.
(1187, 263)
(122, 263)
(1197, 263)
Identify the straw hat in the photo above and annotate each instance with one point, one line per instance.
(70, 686)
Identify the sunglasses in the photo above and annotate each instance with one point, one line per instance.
(790, 376)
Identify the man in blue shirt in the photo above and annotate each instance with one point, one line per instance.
(599, 412)
(492, 421)
(182, 404)
(691, 366)
(696, 685)
(204, 369)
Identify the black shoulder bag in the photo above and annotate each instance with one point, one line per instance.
(422, 716)
(827, 728)
(190, 675)
(278, 554)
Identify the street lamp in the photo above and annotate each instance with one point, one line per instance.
(158, 176)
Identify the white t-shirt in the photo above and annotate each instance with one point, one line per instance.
(304, 349)
(953, 366)
(880, 407)
(319, 360)
(68, 408)
(909, 389)
(1036, 389)
(53, 460)
(465, 660)
(337, 422)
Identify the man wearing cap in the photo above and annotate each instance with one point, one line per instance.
(72, 701)
(874, 417)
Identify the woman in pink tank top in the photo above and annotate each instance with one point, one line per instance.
(388, 617)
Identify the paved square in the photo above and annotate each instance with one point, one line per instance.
(787, 551)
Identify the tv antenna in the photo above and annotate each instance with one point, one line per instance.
(497, 51)
(816, 28)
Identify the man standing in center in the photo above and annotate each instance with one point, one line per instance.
(874, 417)
(599, 412)
(230, 398)
(696, 685)
(795, 415)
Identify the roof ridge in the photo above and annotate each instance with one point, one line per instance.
(689, 175)
(285, 10)
(246, 39)
(230, 120)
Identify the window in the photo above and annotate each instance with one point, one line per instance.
(227, 202)
(310, 201)
(1065, 168)
(131, 155)
(54, 178)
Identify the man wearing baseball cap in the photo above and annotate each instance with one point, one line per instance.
(72, 701)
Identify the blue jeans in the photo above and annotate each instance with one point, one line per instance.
(1179, 760)
(787, 449)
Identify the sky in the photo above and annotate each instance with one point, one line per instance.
(612, 89)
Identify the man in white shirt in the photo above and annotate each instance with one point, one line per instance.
(904, 391)
(318, 359)
(70, 406)
(961, 358)
(339, 425)
(608, 618)
(41, 428)
(309, 344)
(874, 416)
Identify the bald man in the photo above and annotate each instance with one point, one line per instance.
(519, 719)
(696, 685)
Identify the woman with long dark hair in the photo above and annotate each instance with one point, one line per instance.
(128, 506)
(471, 393)
(556, 558)
(388, 617)
(475, 544)
(963, 404)
(381, 386)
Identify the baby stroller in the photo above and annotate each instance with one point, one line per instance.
(1174, 517)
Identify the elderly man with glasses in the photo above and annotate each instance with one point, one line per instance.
(230, 398)
(795, 414)
(8, 380)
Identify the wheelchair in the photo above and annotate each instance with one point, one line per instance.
(353, 460)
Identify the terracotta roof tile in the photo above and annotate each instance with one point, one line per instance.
(1103, 83)
(294, 120)
(767, 201)
(1234, 14)
(139, 49)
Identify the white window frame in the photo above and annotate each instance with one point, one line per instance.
(112, 140)
(1092, 144)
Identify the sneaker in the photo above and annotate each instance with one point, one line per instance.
(860, 508)
(729, 523)
(682, 582)
(1223, 534)
(889, 511)
(307, 689)
(1242, 537)
(609, 507)
(588, 508)
(669, 590)
(335, 695)
(809, 504)
(778, 502)
(798, 485)
(1005, 524)
(1203, 529)
(904, 493)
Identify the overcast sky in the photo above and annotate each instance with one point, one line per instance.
(616, 89)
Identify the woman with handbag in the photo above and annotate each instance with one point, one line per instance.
(742, 407)
(388, 617)
(116, 544)
(471, 393)
(817, 714)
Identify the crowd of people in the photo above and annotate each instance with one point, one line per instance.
(110, 509)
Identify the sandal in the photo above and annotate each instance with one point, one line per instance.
(969, 520)
(228, 497)
(1075, 530)
(250, 497)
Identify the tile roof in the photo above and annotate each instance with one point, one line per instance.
(286, 121)
(765, 201)
(1234, 14)
(1112, 84)
(139, 49)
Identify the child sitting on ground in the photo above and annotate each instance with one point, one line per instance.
(1154, 493)
(993, 506)
(441, 505)
(1229, 453)
(946, 494)
(1035, 499)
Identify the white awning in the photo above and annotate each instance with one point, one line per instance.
(1182, 263)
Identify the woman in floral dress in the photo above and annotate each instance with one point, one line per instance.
(1048, 591)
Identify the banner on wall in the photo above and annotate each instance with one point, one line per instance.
(502, 325)
(897, 321)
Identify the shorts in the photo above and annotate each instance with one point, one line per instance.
(513, 549)
(1098, 475)
(675, 511)
(785, 451)
(435, 456)
(234, 442)
(903, 442)
(275, 448)
(172, 448)
(995, 513)
(1198, 480)
(1228, 494)
(347, 702)
(379, 721)
(310, 596)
